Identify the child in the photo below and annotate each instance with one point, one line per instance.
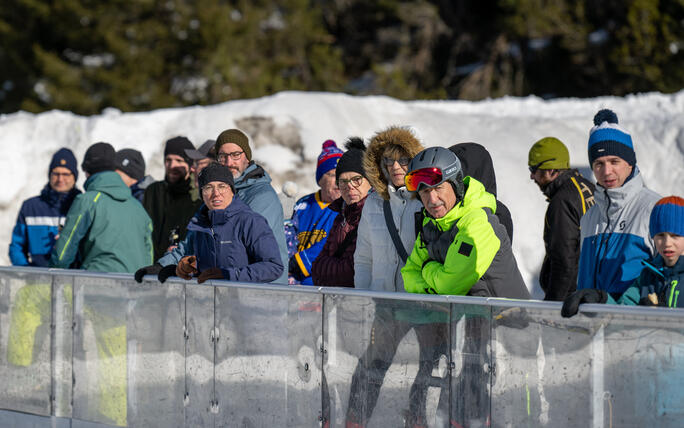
(658, 284)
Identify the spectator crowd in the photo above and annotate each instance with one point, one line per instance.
(392, 215)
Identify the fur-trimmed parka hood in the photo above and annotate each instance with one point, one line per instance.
(372, 160)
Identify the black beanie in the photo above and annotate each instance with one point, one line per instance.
(177, 146)
(216, 172)
(131, 162)
(352, 159)
(99, 157)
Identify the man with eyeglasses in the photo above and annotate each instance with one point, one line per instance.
(461, 248)
(169, 202)
(41, 218)
(226, 239)
(570, 196)
(253, 185)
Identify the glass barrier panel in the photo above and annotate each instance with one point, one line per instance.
(199, 356)
(471, 372)
(267, 358)
(386, 361)
(62, 310)
(25, 342)
(542, 368)
(641, 382)
(156, 353)
(100, 363)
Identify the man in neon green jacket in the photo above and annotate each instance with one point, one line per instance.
(461, 248)
(106, 227)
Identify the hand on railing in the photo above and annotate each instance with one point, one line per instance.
(187, 266)
(586, 295)
(147, 270)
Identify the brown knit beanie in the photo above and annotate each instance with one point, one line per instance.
(234, 136)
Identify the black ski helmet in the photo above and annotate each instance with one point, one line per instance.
(444, 160)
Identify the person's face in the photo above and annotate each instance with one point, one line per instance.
(543, 177)
(438, 200)
(217, 195)
(62, 179)
(353, 187)
(329, 189)
(176, 168)
(670, 246)
(611, 171)
(397, 167)
(232, 156)
(198, 166)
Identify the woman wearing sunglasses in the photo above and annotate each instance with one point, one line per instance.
(334, 266)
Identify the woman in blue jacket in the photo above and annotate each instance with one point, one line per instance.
(226, 239)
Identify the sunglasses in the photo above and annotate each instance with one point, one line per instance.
(390, 161)
(534, 168)
(428, 177)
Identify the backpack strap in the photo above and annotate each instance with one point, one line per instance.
(394, 234)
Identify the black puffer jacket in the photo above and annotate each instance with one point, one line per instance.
(477, 163)
(570, 195)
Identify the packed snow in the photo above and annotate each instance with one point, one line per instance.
(288, 129)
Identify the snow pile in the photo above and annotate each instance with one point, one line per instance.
(288, 129)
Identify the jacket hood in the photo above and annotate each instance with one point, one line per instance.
(109, 183)
(475, 198)
(476, 162)
(372, 160)
(250, 176)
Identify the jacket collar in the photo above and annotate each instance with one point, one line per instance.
(476, 197)
(621, 196)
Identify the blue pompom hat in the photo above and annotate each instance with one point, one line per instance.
(606, 138)
(328, 158)
(64, 158)
(667, 216)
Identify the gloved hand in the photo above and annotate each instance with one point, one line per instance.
(294, 270)
(211, 273)
(147, 270)
(586, 295)
(187, 266)
(166, 272)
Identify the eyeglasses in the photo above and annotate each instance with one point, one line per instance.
(429, 177)
(403, 161)
(223, 157)
(534, 168)
(354, 181)
(61, 174)
(208, 190)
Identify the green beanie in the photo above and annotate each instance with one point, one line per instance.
(549, 153)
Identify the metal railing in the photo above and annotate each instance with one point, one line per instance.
(85, 349)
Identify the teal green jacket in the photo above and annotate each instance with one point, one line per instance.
(106, 228)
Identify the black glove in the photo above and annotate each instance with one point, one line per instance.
(166, 272)
(147, 270)
(586, 295)
(294, 270)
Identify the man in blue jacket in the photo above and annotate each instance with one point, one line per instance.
(253, 187)
(226, 239)
(614, 232)
(41, 217)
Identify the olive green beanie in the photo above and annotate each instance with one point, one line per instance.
(549, 153)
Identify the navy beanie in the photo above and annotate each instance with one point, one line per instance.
(66, 159)
(99, 157)
(606, 138)
(667, 216)
(216, 172)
